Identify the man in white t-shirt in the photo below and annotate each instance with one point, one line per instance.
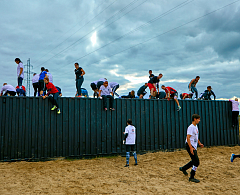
(114, 87)
(235, 112)
(104, 92)
(191, 145)
(129, 140)
(20, 72)
(8, 90)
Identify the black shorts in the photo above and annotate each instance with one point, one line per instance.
(93, 86)
(130, 148)
(41, 85)
(174, 94)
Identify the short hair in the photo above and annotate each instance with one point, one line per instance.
(149, 70)
(191, 94)
(163, 86)
(197, 77)
(46, 70)
(34, 73)
(4, 84)
(209, 87)
(129, 121)
(195, 116)
(160, 74)
(17, 60)
(46, 78)
(42, 68)
(77, 63)
(105, 82)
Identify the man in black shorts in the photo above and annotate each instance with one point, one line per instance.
(141, 92)
(129, 140)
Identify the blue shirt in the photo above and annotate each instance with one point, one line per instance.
(42, 75)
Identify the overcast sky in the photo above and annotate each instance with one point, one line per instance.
(57, 33)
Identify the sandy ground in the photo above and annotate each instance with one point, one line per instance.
(157, 173)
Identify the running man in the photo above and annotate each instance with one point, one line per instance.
(191, 145)
(42, 75)
(192, 86)
(20, 72)
(114, 86)
(35, 83)
(79, 77)
(235, 112)
(141, 91)
(8, 90)
(152, 84)
(129, 140)
(171, 93)
(207, 94)
(183, 96)
(54, 98)
(233, 156)
(104, 92)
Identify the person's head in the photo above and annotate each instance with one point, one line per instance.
(4, 84)
(236, 99)
(150, 72)
(163, 87)
(209, 88)
(190, 95)
(132, 92)
(129, 121)
(46, 80)
(197, 78)
(105, 84)
(145, 84)
(47, 70)
(17, 60)
(42, 68)
(196, 118)
(76, 65)
(160, 76)
(34, 74)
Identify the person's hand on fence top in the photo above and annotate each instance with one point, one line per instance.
(44, 97)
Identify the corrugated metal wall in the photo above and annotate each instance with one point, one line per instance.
(28, 128)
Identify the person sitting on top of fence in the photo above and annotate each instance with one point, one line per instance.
(131, 94)
(207, 94)
(183, 96)
(8, 90)
(104, 93)
(171, 93)
(52, 90)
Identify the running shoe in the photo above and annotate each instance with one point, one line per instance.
(184, 171)
(126, 166)
(179, 108)
(54, 108)
(105, 109)
(58, 111)
(232, 157)
(194, 180)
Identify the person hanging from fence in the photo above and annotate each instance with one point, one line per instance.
(20, 71)
(192, 86)
(141, 91)
(153, 83)
(206, 95)
(191, 145)
(42, 75)
(49, 75)
(21, 92)
(8, 90)
(35, 83)
(130, 95)
(235, 112)
(59, 90)
(54, 92)
(104, 93)
(114, 87)
(129, 141)
(183, 96)
(171, 94)
(95, 85)
(79, 77)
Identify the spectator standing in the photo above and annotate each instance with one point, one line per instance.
(8, 90)
(171, 93)
(104, 92)
(35, 84)
(79, 77)
(20, 72)
(54, 98)
(141, 91)
(114, 86)
(42, 75)
(192, 86)
(49, 76)
(235, 112)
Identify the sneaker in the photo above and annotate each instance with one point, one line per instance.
(232, 157)
(135, 164)
(184, 171)
(179, 108)
(58, 111)
(126, 166)
(112, 109)
(54, 108)
(194, 180)
(105, 109)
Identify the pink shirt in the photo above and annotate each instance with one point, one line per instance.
(234, 105)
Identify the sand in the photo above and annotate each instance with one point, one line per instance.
(157, 173)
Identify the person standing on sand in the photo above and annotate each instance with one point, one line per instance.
(191, 145)
(129, 140)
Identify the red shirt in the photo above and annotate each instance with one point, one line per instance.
(51, 88)
(170, 89)
(24, 89)
(183, 94)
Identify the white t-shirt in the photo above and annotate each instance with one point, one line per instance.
(50, 77)
(35, 78)
(105, 90)
(8, 88)
(131, 130)
(193, 131)
(235, 105)
(113, 84)
(20, 65)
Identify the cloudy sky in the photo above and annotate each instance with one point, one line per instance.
(122, 40)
